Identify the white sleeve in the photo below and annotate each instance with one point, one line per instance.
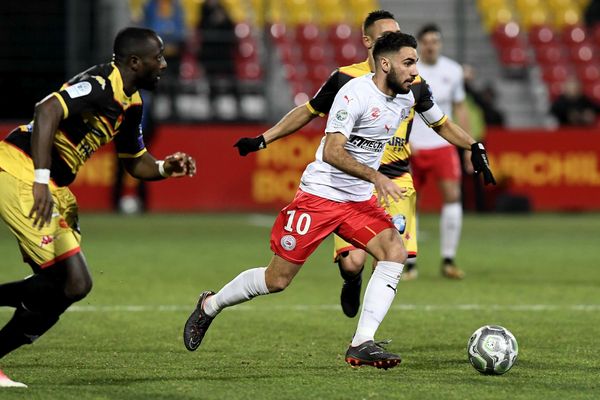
(345, 111)
(434, 116)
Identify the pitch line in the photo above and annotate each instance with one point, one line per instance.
(336, 307)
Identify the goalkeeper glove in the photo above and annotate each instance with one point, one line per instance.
(480, 162)
(248, 145)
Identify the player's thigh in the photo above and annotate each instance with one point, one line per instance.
(302, 225)
(403, 214)
(46, 246)
(365, 221)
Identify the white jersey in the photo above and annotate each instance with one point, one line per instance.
(445, 78)
(368, 118)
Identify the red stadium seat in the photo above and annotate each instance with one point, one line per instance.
(514, 56)
(339, 34)
(555, 73)
(588, 73)
(506, 35)
(574, 34)
(247, 49)
(555, 89)
(542, 35)
(242, 30)
(315, 53)
(582, 53)
(307, 34)
(248, 70)
(319, 73)
(278, 32)
(593, 91)
(596, 34)
(294, 72)
(347, 54)
(550, 54)
(288, 52)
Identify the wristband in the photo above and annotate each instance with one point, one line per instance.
(161, 169)
(42, 176)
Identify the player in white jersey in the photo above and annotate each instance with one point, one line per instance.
(336, 196)
(432, 156)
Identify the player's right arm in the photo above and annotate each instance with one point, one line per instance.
(48, 114)
(335, 154)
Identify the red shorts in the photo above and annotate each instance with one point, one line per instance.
(442, 163)
(302, 225)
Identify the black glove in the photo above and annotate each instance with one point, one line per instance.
(480, 162)
(248, 145)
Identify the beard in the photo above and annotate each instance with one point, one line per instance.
(393, 83)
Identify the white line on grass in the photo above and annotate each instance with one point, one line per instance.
(336, 307)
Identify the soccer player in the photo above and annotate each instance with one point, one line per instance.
(432, 156)
(349, 259)
(336, 195)
(394, 162)
(39, 160)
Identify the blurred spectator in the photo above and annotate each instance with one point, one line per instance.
(485, 98)
(217, 49)
(592, 13)
(165, 17)
(573, 107)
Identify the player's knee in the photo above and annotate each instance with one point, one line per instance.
(352, 263)
(396, 253)
(77, 290)
(277, 283)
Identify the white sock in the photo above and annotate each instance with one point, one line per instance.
(450, 227)
(378, 298)
(245, 286)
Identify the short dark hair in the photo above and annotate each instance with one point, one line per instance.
(393, 41)
(376, 16)
(131, 41)
(429, 28)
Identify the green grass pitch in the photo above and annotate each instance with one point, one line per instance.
(538, 275)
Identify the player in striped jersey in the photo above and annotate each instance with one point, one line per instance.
(39, 160)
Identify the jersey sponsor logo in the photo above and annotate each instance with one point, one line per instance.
(366, 144)
(375, 112)
(397, 141)
(46, 240)
(79, 89)
(341, 115)
(288, 242)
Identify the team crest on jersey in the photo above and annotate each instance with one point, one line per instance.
(341, 115)
(288, 242)
(375, 112)
(79, 89)
(405, 113)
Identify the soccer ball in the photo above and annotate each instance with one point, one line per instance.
(492, 350)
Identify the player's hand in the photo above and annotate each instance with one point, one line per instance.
(180, 164)
(385, 189)
(481, 164)
(248, 145)
(467, 163)
(43, 205)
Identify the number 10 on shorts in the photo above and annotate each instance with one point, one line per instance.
(302, 223)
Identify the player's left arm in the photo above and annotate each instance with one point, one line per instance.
(458, 137)
(148, 168)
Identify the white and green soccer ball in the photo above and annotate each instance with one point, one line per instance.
(492, 350)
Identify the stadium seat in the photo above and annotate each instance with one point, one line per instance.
(541, 35)
(278, 32)
(247, 49)
(555, 73)
(294, 72)
(550, 54)
(242, 31)
(573, 34)
(338, 34)
(596, 34)
(515, 56)
(347, 54)
(582, 53)
(288, 53)
(318, 73)
(248, 70)
(315, 53)
(307, 34)
(506, 35)
(593, 91)
(588, 73)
